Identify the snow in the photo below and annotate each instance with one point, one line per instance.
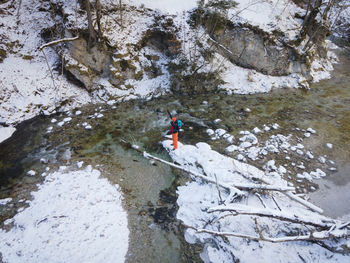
(256, 130)
(196, 197)
(329, 145)
(25, 82)
(310, 130)
(5, 201)
(32, 90)
(167, 6)
(31, 173)
(75, 216)
(309, 155)
(210, 132)
(220, 132)
(6, 132)
(269, 15)
(322, 159)
(247, 81)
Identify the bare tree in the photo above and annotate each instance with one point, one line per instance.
(311, 27)
(94, 36)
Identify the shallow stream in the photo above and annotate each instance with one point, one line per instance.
(148, 188)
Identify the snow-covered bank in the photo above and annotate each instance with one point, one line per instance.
(198, 203)
(26, 83)
(75, 216)
(6, 132)
(167, 6)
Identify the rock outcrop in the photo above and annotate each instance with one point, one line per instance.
(254, 49)
(119, 62)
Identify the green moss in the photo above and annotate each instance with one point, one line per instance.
(27, 57)
(139, 75)
(129, 86)
(119, 56)
(345, 127)
(3, 54)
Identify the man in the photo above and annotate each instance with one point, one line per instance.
(174, 131)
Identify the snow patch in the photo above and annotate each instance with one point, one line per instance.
(6, 132)
(75, 216)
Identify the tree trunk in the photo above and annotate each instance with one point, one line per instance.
(98, 18)
(121, 13)
(92, 33)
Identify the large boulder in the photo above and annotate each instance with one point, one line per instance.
(252, 48)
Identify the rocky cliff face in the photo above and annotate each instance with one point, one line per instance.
(149, 44)
(252, 48)
(135, 45)
(86, 66)
(272, 53)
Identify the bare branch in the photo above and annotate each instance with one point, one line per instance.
(217, 187)
(58, 41)
(279, 208)
(48, 65)
(19, 9)
(232, 189)
(317, 221)
(261, 200)
(256, 175)
(231, 186)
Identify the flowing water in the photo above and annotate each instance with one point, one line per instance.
(148, 188)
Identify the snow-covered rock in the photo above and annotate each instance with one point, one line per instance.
(31, 173)
(210, 132)
(329, 145)
(256, 130)
(6, 132)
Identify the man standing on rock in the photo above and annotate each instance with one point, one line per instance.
(174, 131)
(174, 128)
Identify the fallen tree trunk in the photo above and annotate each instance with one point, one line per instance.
(231, 189)
(312, 236)
(319, 221)
(303, 202)
(247, 175)
(240, 186)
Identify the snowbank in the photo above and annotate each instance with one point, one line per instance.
(167, 6)
(239, 80)
(75, 216)
(6, 132)
(196, 198)
(269, 15)
(26, 83)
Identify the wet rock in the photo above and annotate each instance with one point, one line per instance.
(161, 215)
